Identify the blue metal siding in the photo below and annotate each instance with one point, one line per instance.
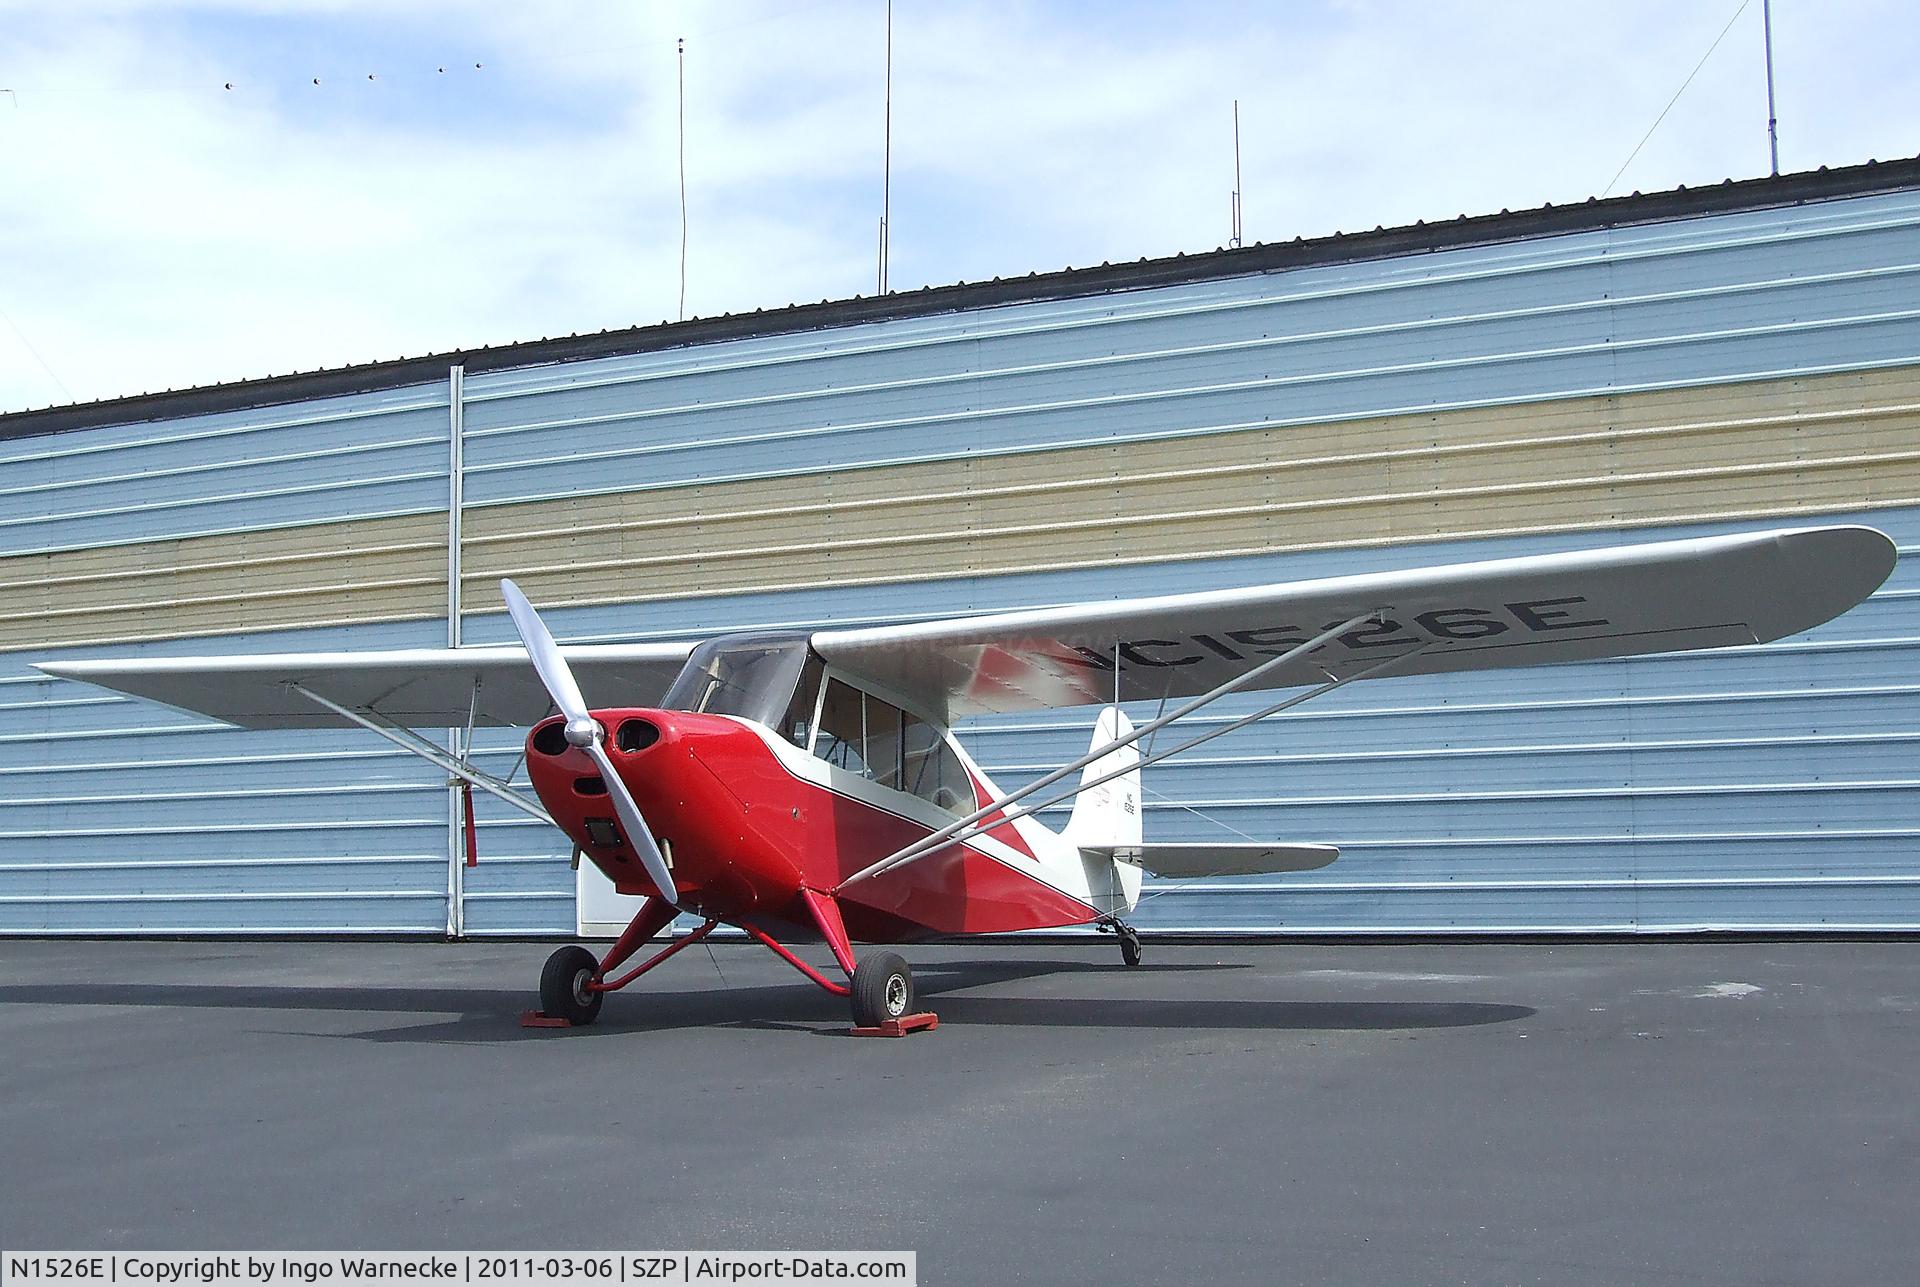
(1757, 295)
(118, 815)
(366, 456)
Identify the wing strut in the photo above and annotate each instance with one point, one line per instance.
(947, 834)
(408, 740)
(1024, 810)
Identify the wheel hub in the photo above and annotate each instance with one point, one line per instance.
(896, 996)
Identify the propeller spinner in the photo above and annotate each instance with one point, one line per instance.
(585, 732)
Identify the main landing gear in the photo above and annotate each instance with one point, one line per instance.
(879, 988)
(574, 982)
(566, 986)
(882, 990)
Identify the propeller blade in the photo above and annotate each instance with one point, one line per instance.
(639, 835)
(585, 732)
(546, 658)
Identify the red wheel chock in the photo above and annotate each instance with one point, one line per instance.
(535, 1019)
(905, 1025)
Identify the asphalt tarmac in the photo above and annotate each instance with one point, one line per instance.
(1237, 1113)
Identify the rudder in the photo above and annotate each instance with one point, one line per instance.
(1107, 817)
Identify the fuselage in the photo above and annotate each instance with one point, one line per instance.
(748, 819)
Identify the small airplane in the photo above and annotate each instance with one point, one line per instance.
(807, 786)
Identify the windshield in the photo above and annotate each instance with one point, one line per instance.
(753, 676)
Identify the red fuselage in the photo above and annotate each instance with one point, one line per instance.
(744, 834)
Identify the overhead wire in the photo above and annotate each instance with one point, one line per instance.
(28, 344)
(1676, 97)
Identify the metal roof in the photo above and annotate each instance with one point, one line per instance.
(1729, 196)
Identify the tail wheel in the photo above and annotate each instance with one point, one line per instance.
(1129, 945)
(564, 986)
(882, 989)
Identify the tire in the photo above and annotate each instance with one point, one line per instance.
(563, 993)
(882, 989)
(1129, 947)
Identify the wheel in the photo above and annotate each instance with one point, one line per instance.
(882, 989)
(1129, 944)
(563, 986)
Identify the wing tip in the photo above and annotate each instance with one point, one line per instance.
(1830, 570)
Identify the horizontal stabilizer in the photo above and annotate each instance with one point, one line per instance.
(1248, 859)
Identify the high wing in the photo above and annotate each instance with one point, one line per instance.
(1612, 602)
(1231, 859)
(413, 688)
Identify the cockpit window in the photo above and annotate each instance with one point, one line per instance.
(883, 742)
(842, 738)
(775, 680)
(893, 748)
(756, 677)
(930, 769)
(797, 725)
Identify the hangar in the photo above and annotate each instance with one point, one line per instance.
(1686, 362)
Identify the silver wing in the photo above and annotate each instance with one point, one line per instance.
(1620, 601)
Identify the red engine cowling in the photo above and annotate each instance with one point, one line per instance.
(700, 781)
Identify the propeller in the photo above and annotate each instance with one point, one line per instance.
(584, 731)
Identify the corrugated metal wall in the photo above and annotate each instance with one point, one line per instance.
(1698, 375)
(119, 815)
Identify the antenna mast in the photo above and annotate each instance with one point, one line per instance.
(1239, 230)
(682, 56)
(886, 157)
(1773, 120)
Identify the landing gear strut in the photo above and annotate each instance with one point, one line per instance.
(575, 981)
(880, 988)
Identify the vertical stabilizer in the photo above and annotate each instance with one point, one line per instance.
(1107, 817)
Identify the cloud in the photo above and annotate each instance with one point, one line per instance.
(157, 229)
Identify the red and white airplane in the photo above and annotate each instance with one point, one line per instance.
(806, 786)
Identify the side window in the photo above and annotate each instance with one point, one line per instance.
(862, 734)
(883, 742)
(797, 724)
(842, 735)
(931, 771)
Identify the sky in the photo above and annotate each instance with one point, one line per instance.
(195, 192)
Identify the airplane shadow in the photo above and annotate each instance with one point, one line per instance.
(491, 1015)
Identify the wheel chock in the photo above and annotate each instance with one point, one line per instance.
(536, 1019)
(905, 1025)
